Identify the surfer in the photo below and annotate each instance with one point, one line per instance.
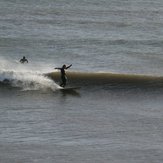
(63, 74)
(23, 60)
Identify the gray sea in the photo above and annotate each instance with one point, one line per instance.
(116, 51)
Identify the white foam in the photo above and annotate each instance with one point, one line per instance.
(26, 76)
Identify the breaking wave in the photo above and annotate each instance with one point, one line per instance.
(24, 77)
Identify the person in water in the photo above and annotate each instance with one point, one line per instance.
(63, 74)
(23, 60)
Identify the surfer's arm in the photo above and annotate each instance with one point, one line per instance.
(68, 66)
(57, 68)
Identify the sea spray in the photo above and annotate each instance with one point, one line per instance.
(27, 80)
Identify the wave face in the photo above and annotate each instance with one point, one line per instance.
(88, 79)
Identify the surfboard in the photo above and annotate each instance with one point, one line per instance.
(69, 88)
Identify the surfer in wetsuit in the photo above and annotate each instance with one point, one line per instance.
(63, 74)
(23, 60)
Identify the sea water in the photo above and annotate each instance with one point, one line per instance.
(115, 48)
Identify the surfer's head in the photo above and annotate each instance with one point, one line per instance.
(64, 66)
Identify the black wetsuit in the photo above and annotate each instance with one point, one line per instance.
(63, 77)
(63, 74)
(23, 60)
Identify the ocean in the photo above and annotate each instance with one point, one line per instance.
(115, 48)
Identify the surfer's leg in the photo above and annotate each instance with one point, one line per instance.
(63, 84)
(65, 81)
